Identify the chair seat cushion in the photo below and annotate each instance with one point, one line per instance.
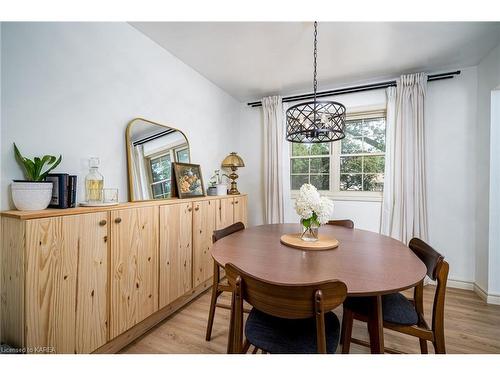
(395, 308)
(289, 336)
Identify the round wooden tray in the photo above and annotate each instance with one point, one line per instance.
(323, 242)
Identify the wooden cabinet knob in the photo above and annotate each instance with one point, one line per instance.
(197, 208)
(118, 220)
(235, 202)
(190, 209)
(102, 223)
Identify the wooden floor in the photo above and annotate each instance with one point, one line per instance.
(472, 326)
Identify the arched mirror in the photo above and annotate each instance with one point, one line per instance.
(151, 150)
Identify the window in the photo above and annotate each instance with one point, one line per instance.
(352, 167)
(362, 155)
(161, 170)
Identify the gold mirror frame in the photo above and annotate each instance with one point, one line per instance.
(129, 156)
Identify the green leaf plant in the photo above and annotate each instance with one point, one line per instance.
(33, 168)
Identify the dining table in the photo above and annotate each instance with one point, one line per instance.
(369, 263)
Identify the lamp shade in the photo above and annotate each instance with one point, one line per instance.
(233, 160)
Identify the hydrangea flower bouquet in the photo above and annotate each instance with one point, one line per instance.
(313, 210)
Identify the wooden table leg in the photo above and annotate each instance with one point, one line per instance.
(376, 327)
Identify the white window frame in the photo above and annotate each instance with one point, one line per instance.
(335, 193)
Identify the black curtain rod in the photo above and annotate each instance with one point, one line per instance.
(348, 90)
(152, 137)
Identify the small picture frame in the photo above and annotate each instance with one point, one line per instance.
(188, 180)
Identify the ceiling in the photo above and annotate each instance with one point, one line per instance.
(250, 60)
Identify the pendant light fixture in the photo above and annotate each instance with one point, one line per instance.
(318, 121)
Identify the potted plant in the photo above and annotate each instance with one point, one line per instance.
(34, 193)
(313, 210)
(217, 187)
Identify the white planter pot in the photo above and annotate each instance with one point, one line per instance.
(31, 196)
(221, 189)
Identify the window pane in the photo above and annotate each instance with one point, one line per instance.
(351, 145)
(300, 165)
(320, 165)
(354, 128)
(298, 181)
(320, 149)
(160, 168)
(300, 149)
(373, 164)
(183, 156)
(350, 164)
(350, 182)
(322, 182)
(374, 135)
(373, 182)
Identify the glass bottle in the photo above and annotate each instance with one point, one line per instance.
(94, 182)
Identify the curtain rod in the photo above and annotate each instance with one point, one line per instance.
(349, 90)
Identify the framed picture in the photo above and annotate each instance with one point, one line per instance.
(188, 180)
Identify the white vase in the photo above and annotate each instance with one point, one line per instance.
(31, 196)
(221, 189)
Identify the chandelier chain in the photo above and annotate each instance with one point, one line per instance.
(315, 82)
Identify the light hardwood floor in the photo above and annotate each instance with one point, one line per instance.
(472, 326)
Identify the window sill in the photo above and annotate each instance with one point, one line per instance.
(354, 197)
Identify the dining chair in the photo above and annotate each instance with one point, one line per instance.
(342, 223)
(218, 287)
(284, 318)
(406, 315)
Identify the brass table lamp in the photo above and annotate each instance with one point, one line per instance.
(234, 162)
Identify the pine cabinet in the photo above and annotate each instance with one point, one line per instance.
(225, 212)
(66, 261)
(134, 267)
(175, 251)
(85, 280)
(204, 224)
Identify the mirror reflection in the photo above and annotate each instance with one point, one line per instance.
(152, 148)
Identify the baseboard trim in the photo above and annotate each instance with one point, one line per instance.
(492, 299)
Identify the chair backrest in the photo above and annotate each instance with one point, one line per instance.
(284, 301)
(437, 270)
(342, 223)
(221, 233)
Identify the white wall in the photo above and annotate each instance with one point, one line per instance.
(487, 169)
(450, 158)
(450, 132)
(71, 89)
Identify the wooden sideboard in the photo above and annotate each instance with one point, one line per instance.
(86, 280)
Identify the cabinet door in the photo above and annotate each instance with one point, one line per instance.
(134, 267)
(225, 214)
(175, 251)
(66, 278)
(92, 284)
(240, 209)
(203, 227)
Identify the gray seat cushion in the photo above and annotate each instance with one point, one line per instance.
(289, 336)
(395, 308)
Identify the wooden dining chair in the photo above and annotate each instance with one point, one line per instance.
(284, 318)
(342, 223)
(218, 286)
(406, 315)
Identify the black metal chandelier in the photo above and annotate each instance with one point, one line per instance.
(318, 121)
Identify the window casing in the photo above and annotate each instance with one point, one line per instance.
(350, 169)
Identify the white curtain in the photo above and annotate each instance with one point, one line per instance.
(141, 185)
(274, 142)
(404, 208)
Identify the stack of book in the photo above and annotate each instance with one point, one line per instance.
(63, 190)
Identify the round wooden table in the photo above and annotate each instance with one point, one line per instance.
(369, 263)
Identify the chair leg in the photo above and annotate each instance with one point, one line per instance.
(423, 346)
(347, 321)
(246, 346)
(439, 346)
(213, 302)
